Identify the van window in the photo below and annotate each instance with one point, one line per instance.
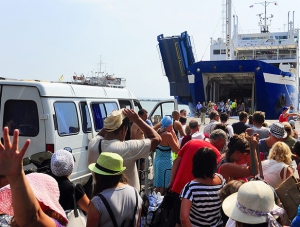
(22, 115)
(125, 104)
(85, 117)
(66, 118)
(100, 112)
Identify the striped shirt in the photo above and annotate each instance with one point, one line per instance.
(206, 203)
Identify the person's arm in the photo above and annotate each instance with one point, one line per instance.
(253, 140)
(157, 126)
(232, 171)
(292, 115)
(185, 212)
(139, 218)
(149, 132)
(93, 216)
(27, 211)
(83, 203)
(174, 170)
(173, 142)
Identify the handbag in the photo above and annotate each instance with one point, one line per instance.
(289, 195)
(76, 217)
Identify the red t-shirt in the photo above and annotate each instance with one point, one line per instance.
(187, 152)
(283, 119)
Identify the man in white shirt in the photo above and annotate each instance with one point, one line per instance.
(112, 138)
(214, 119)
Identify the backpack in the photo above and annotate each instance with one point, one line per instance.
(126, 222)
(164, 216)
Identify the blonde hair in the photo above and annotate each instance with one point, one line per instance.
(281, 152)
(288, 129)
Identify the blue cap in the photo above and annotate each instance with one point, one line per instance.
(284, 108)
(166, 121)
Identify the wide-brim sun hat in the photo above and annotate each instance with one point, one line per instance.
(108, 163)
(62, 163)
(253, 204)
(45, 189)
(277, 130)
(166, 121)
(114, 120)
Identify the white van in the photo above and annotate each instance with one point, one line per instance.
(58, 115)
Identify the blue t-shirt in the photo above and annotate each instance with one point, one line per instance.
(263, 147)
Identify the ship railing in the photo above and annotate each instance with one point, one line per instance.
(266, 57)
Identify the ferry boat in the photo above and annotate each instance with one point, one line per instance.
(104, 80)
(258, 69)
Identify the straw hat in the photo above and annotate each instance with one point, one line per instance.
(108, 163)
(114, 120)
(62, 163)
(252, 204)
(277, 130)
(45, 189)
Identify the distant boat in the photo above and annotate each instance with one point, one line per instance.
(259, 69)
(106, 80)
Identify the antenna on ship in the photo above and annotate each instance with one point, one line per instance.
(264, 27)
(100, 63)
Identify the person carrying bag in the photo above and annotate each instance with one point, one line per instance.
(76, 217)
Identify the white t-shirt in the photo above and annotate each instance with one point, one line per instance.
(130, 151)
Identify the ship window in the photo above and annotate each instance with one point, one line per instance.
(27, 120)
(223, 51)
(85, 117)
(66, 118)
(216, 52)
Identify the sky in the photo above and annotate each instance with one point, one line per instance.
(44, 39)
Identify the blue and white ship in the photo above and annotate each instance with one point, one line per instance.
(259, 69)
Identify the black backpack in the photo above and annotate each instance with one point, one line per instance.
(126, 222)
(164, 215)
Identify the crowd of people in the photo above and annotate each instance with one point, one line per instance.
(231, 108)
(208, 171)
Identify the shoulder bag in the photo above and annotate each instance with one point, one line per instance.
(76, 217)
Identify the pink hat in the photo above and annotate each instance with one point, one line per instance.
(45, 189)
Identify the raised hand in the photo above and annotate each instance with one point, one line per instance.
(11, 158)
(131, 114)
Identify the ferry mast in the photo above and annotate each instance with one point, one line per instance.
(265, 27)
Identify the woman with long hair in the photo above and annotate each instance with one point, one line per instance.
(236, 162)
(163, 154)
(111, 183)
